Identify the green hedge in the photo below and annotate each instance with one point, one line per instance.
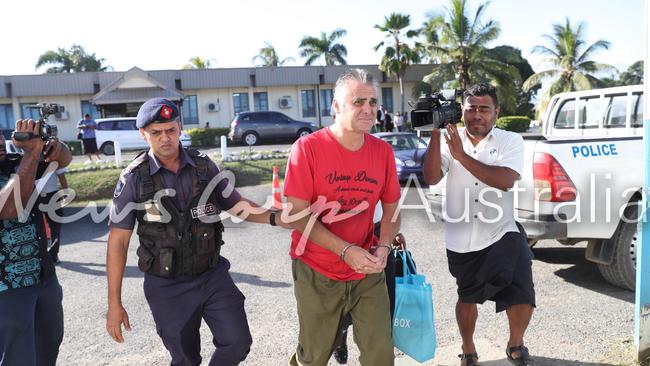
(513, 123)
(206, 136)
(75, 147)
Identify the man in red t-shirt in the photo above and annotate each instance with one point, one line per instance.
(334, 179)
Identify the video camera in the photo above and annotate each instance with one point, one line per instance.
(45, 131)
(437, 110)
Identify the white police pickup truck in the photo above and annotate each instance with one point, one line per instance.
(583, 177)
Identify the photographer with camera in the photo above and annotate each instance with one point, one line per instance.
(486, 251)
(31, 313)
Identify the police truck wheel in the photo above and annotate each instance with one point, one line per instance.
(622, 271)
(108, 148)
(250, 138)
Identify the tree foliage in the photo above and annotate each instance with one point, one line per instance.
(632, 76)
(398, 54)
(197, 62)
(269, 57)
(464, 56)
(569, 57)
(325, 47)
(74, 59)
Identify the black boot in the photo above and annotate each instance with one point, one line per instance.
(341, 354)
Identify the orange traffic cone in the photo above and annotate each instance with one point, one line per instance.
(277, 199)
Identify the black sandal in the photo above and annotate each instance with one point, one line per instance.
(524, 358)
(472, 359)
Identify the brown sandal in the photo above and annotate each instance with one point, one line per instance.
(471, 359)
(524, 358)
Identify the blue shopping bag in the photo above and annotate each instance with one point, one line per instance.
(414, 331)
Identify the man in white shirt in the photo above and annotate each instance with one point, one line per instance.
(486, 251)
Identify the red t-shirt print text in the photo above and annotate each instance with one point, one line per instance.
(351, 184)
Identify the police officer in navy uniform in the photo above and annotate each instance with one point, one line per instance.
(185, 278)
(31, 313)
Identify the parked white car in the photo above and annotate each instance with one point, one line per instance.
(123, 129)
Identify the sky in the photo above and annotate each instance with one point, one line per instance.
(163, 35)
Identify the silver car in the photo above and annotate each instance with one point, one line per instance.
(250, 127)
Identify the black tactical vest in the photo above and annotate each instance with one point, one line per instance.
(185, 245)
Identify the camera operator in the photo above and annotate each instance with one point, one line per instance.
(31, 314)
(486, 252)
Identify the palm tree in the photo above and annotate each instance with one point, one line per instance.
(75, 59)
(569, 57)
(398, 55)
(313, 48)
(269, 57)
(429, 31)
(197, 62)
(463, 53)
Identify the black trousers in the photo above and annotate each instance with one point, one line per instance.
(179, 304)
(31, 324)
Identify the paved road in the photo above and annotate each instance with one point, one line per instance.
(580, 319)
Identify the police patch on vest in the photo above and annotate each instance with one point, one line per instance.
(205, 210)
(119, 187)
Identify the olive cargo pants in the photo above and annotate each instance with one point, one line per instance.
(322, 303)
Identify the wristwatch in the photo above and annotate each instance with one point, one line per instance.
(272, 219)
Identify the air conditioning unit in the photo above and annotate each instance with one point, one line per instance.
(214, 106)
(62, 116)
(285, 102)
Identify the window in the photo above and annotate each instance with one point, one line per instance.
(105, 126)
(565, 118)
(589, 112)
(127, 125)
(27, 113)
(387, 99)
(280, 117)
(326, 102)
(262, 117)
(308, 103)
(190, 110)
(240, 102)
(7, 116)
(88, 108)
(637, 110)
(261, 101)
(616, 111)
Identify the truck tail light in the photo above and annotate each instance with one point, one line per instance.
(552, 183)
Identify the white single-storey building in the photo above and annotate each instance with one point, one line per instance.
(211, 96)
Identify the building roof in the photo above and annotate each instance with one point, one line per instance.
(138, 84)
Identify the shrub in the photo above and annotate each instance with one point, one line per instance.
(513, 123)
(206, 136)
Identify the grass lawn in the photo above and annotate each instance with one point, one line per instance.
(100, 184)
